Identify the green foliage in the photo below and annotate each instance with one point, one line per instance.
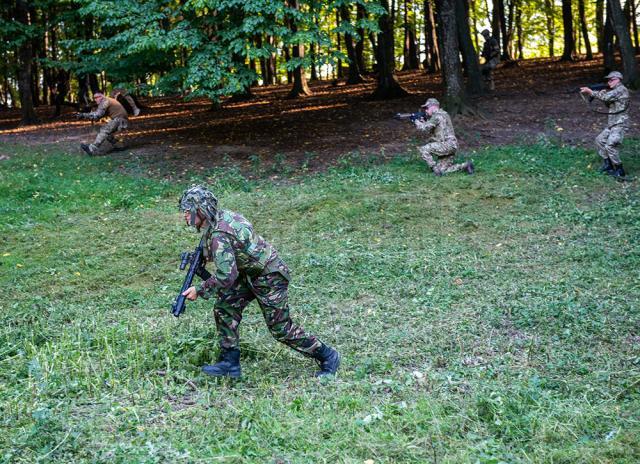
(485, 319)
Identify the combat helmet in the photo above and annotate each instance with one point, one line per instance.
(199, 198)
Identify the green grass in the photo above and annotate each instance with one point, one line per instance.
(482, 319)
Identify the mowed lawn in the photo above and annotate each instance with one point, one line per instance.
(481, 319)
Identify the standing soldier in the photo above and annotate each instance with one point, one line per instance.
(245, 267)
(441, 149)
(491, 55)
(608, 142)
(118, 121)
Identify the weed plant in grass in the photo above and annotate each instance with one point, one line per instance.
(482, 319)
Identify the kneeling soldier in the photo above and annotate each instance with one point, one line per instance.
(441, 149)
(118, 121)
(608, 142)
(245, 267)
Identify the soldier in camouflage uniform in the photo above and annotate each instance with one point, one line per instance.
(118, 121)
(608, 142)
(441, 149)
(491, 55)
(245, 267)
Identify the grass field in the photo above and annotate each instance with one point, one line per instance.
(491, 318)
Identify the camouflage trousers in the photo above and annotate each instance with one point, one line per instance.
(608, 143)
(487, 71)
(106, 133)
(271, 292)
(439, 157)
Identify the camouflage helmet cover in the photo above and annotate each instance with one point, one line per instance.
(614, 75)
(199, 198)
(431, 102)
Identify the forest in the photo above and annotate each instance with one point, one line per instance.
(218, 50)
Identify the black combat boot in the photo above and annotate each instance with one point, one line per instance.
(606, 166)
(227, 366)
(328, 359)
(618, 171)
(86, 149)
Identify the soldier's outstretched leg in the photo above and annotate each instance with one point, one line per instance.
(228, 315)
(446, 165)
(271, 291)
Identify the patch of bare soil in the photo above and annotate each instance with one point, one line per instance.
(532, 100)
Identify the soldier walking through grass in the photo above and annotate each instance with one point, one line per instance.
(118, 121)
(245, 267)
(609, 140)
(441, 149)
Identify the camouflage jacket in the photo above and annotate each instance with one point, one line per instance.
(109, 107)
(233, 250)
(491, 49)
(617, 101)
(439, 125)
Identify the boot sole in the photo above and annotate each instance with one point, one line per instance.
(233, 375)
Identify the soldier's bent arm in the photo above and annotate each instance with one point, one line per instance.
(100, 111)
(428, 125)
(608, 96)
(224, 271)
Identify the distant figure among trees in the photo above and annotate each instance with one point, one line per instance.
(118, 121)
(121, 94)
(491, 55)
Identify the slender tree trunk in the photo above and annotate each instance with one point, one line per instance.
(354, 72)
(621, 29)
(551, 28)
(520, 32)
(338, 46)
(608, 50)
(25, 77)
(454, 96)
(600, 24)
(361, 14)
(474, 76)
(503, 30)
(567, 20)
(583, 27)
(635, 24)
(388, 86)
(432, 50)
(300, 86)
(508, 53)
(272, 72)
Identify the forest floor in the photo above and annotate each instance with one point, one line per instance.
(532, 101)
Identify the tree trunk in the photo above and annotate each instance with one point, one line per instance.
(585, 31)
(300, 86)
(409, 49)
(551, 28)
(567, 20)
(454, 96)
(388, 86)
(25, 74)
(361, 14)
(503, 30)
(600, 24)
(608, 50)
(508, 37)
(474, 76)
(621, 29)
(635, 25)
(354, 72)
(519, 31)
(432, 51)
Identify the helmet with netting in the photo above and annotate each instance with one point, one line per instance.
(199, 198)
